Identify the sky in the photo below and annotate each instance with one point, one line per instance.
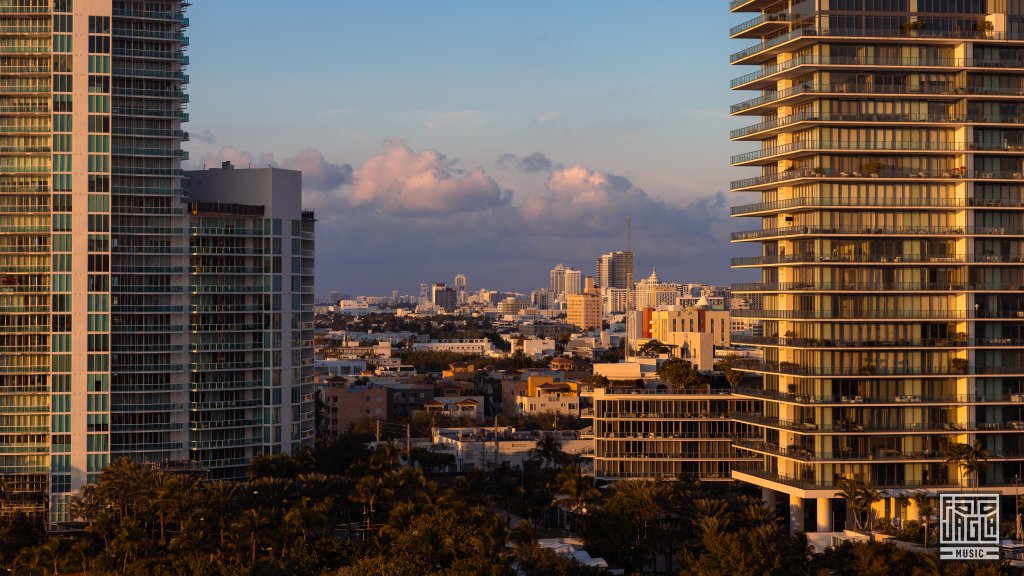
(494, 139)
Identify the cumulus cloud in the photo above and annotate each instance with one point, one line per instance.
(317, 172)
(406, 216)
(401, 181)
(532, 163)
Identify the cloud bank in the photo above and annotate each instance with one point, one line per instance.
(406, 216)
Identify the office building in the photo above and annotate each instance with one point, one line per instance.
(890, 153)
(94, 246)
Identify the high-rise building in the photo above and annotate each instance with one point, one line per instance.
(94, 245)
(615, 270)
(573, 281)
(584, 310)
(251, 325)
(890, 153)
(444, 297)
(461, 285)
(557, 280)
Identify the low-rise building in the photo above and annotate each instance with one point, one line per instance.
(345, 405)
(489, 448)
(480, 346)
(456, 406)
(654, 431)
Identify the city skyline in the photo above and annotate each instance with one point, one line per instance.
(539, 155)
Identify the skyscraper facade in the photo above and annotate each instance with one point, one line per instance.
(890, 152)
(94, 243)
(573, 281)
(557, 280)
(461, 286)
(615, 270)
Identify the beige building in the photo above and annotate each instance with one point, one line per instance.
(889, 240)
(345, 405)
(669, 319)
(651, 433)
(584, 310)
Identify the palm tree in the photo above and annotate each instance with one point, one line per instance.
(548, 449)
(975, 464)
(249, 529)
(902, 500)
(849, 490)
(576, 488)
(955, 456)
(925, 508)
(868, 496)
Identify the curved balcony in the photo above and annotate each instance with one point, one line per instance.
(769, 128)
(768, 75)
(791, 41)
(792, 369)
(825, 343)
(921, 202)
(807, 91)
(880, 314)
(799, 259)
(854, 427)
(766, 156)
(861, 231)
(850, 456)
(878, 287)
(1012, 398)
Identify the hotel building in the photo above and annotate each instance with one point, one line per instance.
(94, 247)
(890, 147)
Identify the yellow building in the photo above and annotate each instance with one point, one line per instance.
(669, 319)
(584, 310)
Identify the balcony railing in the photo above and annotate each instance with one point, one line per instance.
(879, 314)
(858, 259)
(854, 146)
(876, 286)
(876, 62)
(907, 343)
(811, 399)
(871, 33)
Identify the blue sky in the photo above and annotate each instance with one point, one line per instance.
(626, 102)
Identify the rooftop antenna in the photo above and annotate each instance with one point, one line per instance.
(629, 234)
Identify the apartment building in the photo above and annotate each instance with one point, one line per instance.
(654, 432)
(95, 247)
(583, 310)
(890, 149)
(251, 324)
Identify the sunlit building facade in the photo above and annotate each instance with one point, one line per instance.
(94, 251)
(889, 142)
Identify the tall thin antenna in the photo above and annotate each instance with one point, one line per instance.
(629, 234)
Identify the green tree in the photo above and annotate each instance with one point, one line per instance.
(727, 366)
(680, 374)
(548, 449)
(652, 349)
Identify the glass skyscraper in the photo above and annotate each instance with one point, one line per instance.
(95, 252)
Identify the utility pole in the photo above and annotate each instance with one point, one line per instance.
(408, 442)
(378, 434)
(496, 448)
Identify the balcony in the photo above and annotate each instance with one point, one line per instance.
(1013, 398)
(773, 99)
(799, 259)
(880, 314)
(773, 154)
(950, 370)
(878, 287)
(850, 427)
(818, 343)
(763, 25)
(770, 48)
(768, 74)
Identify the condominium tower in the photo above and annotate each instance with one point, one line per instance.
(889, 141)
(94, 244)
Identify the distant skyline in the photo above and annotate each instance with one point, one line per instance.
(491, 139)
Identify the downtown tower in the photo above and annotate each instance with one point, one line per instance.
(890, 144)
(134, 321)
